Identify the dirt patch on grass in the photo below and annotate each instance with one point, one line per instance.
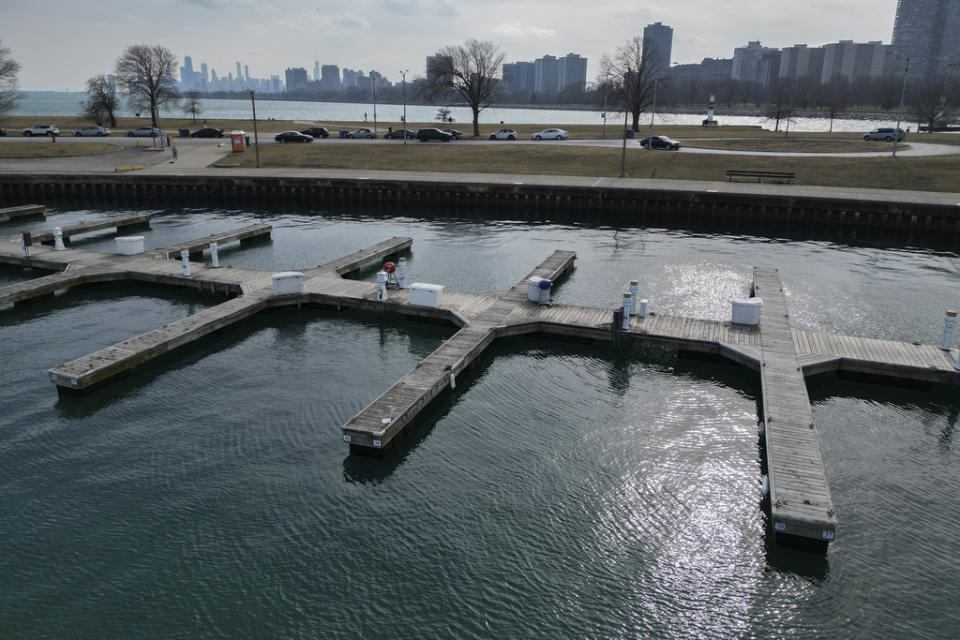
(794, 145)
(18, 149)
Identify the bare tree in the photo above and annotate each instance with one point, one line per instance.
(780, 103)
(191, 105)
(632, 75)
(931, 100)
(102, 101)
(146, 72)
(8, 80)
(471, 71)
(836, 97)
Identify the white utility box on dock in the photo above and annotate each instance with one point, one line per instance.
(746, 311)
(129, 245)
(426, 295)
(538, 290)
(287, 283)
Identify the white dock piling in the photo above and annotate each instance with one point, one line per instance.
(634, 292)
(949, 322)
(58, 239)
(627, 302)
(402, 273)
(185, 258)
(381, 286)
(214, 255)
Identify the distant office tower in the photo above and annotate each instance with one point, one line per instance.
(330, 77)
(546, 72)
(213, 76)
(239, 75)
(928, 33)
(246, 72)
(658, 42)
(316, 71)
(519, 76)
(204, 76)
(851, 60)
(350, 78)
(112, 81)
(572, 72)
(437, 63)
(274, 84)
(296, 78)
(746, 62)
(187, 79)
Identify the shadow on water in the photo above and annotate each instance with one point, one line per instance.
(358, 469)
(811, 566)
(938, 400)
(294, 322)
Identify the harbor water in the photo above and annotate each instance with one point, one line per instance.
(564, 490)
(36, 103)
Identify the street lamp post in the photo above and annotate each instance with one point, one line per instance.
(623, 153)
(256, 139)
(403, 74)
(653, 113)
(903, 94)
(373, 83)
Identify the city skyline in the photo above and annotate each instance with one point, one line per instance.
(382, 34)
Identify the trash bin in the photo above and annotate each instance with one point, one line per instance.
(343, 133)
(538, 290)
(630, 133)
(236, 140)
(184, 133)
(247, 138)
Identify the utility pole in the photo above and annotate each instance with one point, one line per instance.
(903, 93)
(623, 153)
(403, 74)
(256, 139)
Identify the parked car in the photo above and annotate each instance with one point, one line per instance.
(550, 134)
(143, 132)
(425, 135)
(3, 132)
(293, 136)
(400, 134)
(661, 142)
(207, 132)
(92, 130)
(504, 134)
(42, 130)
(316, 132)
(456, 135)
(886, 134)
(362, 133)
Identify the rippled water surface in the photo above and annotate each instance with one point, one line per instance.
(563, 491)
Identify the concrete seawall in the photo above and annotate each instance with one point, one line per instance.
(642, 202)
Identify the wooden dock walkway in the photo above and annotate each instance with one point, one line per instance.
(22, 211)
(800, 503)
(197, 246)
(783, 352)
(122, 224)
(379, 425)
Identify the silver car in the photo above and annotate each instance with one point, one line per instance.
(886, 134)
(92, 131)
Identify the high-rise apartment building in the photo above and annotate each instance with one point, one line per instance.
(350, 77)
(296, 78)
(746, 62)
(330, 77)
(545, 71)
(572, 72)
(927, 32)
(658, 44)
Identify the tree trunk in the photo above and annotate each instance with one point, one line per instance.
(476, 121)
(636, 120)
(153, 112)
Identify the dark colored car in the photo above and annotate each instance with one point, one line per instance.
(3, 131)
(316, 132)
(425, 135)
(399, 134)
(661, 142)
(293, 136)
(209, 132)
(454, 133)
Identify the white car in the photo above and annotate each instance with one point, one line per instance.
(92, 131)
(504, 134)
(550, 134)
(42, 130)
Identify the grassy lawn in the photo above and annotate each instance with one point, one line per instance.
(924, 174)
(796, 145)
(60, 149)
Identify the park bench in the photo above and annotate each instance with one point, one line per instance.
(761, 176)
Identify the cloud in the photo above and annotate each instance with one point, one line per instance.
(427, 8)
(208, 4)
(520, 32)
(350, 21)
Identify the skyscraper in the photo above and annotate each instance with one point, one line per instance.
(572, 72)
(239, 75)
(545, 74)
(658, 42)
(296, 78)
(927, 32)
(330, 77)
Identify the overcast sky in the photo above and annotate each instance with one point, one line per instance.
(61, 43)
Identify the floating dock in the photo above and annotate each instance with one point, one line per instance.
(122, 224)
(782, 352)
(22, 211)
